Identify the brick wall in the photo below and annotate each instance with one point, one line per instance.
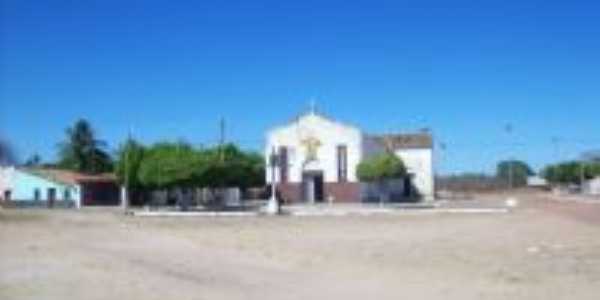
(343, 192)
(290, 192)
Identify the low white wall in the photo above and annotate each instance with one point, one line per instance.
(389, 190)
(592, 187)
(6, 175)
(420, 163)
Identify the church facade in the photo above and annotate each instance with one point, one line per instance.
(319, 157)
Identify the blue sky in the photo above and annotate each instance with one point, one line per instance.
(171, 69)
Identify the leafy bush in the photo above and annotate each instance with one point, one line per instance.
(570, 172)
(167, 165)
(381, 167)
(520, 172)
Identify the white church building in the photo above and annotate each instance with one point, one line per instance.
(319, 157)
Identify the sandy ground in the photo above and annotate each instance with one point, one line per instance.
(544, 250)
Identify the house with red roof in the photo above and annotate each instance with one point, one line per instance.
(56, 188)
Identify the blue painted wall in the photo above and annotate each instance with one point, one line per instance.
(24, 186)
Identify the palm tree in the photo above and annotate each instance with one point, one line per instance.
(33, 161)
(82, 152)
(7, 156)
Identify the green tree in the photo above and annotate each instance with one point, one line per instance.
(571, 171)
(34, 161)
(381, 167)
(130, 156)
(255, 169)
(82, 152)
(565, 172)
(166, 165)
(520, 172)
(7, 156)
(228, 166)
(593, 169)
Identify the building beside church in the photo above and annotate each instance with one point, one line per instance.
(56, 188)
(319, 157)
(592, 186)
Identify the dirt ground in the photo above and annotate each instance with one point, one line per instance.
(544, 250)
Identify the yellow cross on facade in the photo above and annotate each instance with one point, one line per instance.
(312, 146)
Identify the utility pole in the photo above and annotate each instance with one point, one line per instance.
(510, 175)
(273, 205)
(125, 189)
(555, 142)
(582, 175)
(509, 130)
(222, 138)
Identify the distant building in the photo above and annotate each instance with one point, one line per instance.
(537, 182)
(592, 186)
(319, 158)
(45, 187)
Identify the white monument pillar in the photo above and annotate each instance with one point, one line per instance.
(273, 205)
(124, 198)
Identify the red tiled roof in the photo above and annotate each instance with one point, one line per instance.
(71, 177)
(406, 141)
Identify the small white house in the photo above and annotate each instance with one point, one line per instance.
(51, 187)
(319, 157)
(537, 182)
(592, 186)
